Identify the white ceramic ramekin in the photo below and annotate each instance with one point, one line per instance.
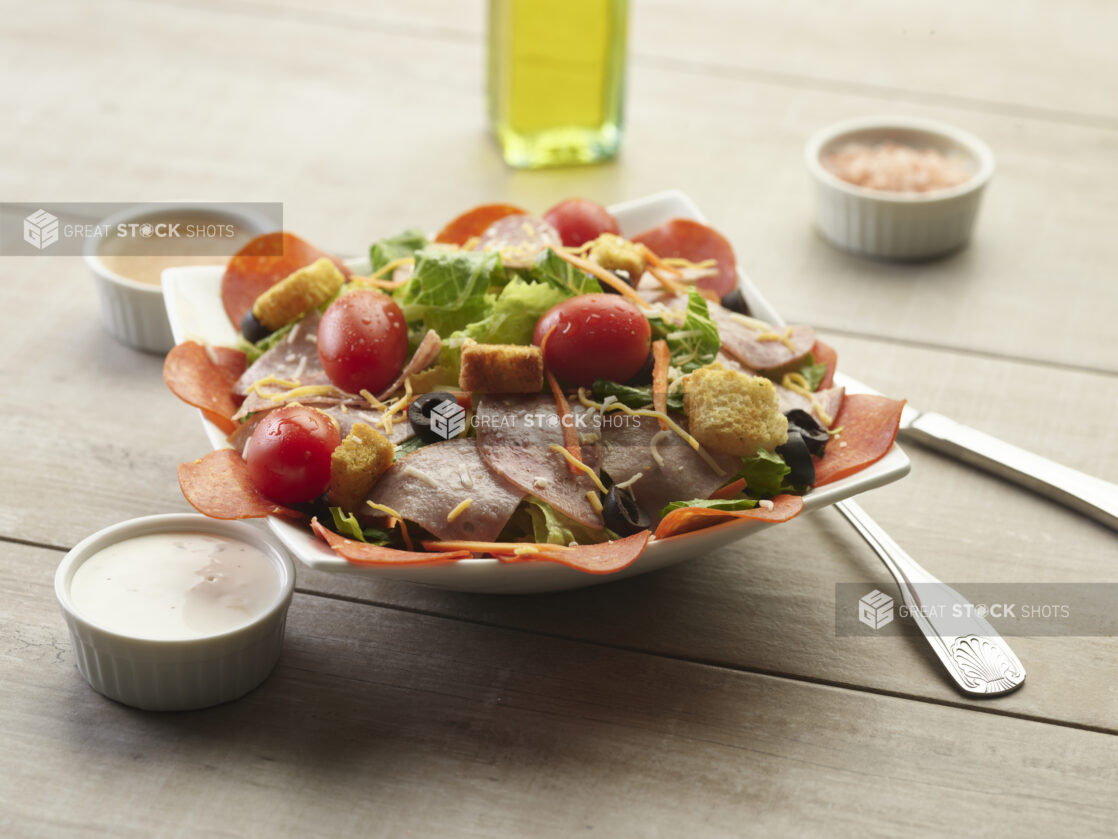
(176, 675)
(133, 312)
(897, 225)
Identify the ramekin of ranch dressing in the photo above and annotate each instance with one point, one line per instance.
(176, 612)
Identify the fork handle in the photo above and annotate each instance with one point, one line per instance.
(1089, 495)
(974, 654)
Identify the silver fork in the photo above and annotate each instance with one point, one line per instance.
(975, 655)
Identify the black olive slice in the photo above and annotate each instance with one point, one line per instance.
(622, 514)
(735, 301)
(621, 275)
(798, 458)
(252, 329)
(815, 436)
(419, 415)
(644, 375)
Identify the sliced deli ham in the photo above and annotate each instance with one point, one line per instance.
(431, 484)
(824, 404)
(514, 436)
(680, 472)
(759, 346)
(204, 377)
(218, 486)
(426, 354)
(293, 358)
(869, 426)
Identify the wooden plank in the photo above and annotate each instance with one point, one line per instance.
(383, 723)
(411, 147)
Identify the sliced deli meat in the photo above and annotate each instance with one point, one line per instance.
(758, 345)
(362, 553)
(449, 490)
(868, 426)
(780, 509)
(696, 242)
(426, 354)
(218, 486)
(516, 436)
(204, 377)
(262, 263)
(824, 405)
(520, 239)
(668, 468)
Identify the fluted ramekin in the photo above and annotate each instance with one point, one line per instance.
(898, 225)
(177, 675)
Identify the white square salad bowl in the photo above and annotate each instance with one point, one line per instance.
(193, 299)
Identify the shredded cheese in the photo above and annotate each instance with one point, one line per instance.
(459, 510)
(300, 392)
(595, 501)
(705, 455)
(765, 504)
(372, 400)
(578, 464)
(286, 384)
(630, 481)
(541, 483)
(653, 446)
(796, 383)
(396, 407)
(660, 415)
(384, 508)
(465, 477)
(294, 332)
(419, 474)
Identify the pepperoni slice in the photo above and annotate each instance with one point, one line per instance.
(475, 222)
(261, 264)
(691, 240)
(204, 377)
(218, 486)
(687, 519)
(825, 354)
(603, 558)
(869, 426)
(362, 553)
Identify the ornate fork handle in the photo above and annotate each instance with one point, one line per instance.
(976, 656)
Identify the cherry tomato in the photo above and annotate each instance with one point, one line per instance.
(579, 220)
(288, 455)
(363, 341)
(593, 336)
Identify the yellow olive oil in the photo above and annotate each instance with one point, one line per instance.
(556, 79)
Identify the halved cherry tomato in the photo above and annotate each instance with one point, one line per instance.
(363, 341)
(593, 336)
(288, 455)
(579, 220)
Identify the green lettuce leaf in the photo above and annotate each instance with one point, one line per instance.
(696, 342)
(347, 525)
(396, 247)
(813, 372)
(538, 521)
(712, 504)
(633, 396)
(450, 289)
(254, 351)
(515, 312)
(552, 270)
(764, 474)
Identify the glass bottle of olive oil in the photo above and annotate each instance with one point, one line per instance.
(556, 79)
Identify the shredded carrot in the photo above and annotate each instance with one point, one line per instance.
(616, 283)
(730, 490)
(661, 358)
(662, 272)
(566, 418)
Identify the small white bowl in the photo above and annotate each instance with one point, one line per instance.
(898, 225)
(176, 675)
(133, 311)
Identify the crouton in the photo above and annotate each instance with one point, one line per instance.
(501, 368)
(356, 464)
(616, 254)
(296, 293)
(732, 412)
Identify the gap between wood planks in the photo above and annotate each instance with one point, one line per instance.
(721, 665)
(665, 63)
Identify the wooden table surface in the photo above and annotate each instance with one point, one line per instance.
(710, 699)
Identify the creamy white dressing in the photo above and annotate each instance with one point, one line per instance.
(175, 586)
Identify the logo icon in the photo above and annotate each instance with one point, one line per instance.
(40, 229)
(448, 419)
(875, 609)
